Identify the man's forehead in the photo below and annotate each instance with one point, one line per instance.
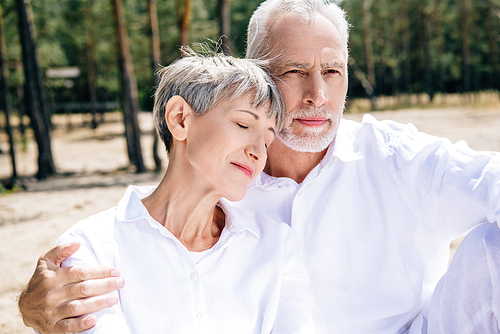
(309, 48)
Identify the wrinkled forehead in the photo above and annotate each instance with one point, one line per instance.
(294, 40)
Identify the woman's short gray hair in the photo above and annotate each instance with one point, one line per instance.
(205, 81)
(258, 43)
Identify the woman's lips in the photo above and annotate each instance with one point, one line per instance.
(244, 168)
(312, 121)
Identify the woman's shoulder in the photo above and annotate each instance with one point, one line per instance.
(97, 243)
(96, 227)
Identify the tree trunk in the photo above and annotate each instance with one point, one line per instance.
(396, 47)
(155, 61)
(21, 106)
(492, 44)
(35, 96)
(6, 98)
(90, 62)
(474, 35)
(130, 101)
(91, 78)
(367, 36)
(225, 25)
(424, 41)
(405, 34)
(438, 12)
(380, 65)
(464, 18)
(184, 16)
(364, 82)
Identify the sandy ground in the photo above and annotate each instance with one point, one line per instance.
(95, 177)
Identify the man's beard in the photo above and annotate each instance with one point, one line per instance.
(315, 139)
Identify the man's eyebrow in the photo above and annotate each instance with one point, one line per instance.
(293, 64)
(333, 64)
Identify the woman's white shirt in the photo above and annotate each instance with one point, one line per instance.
(253, 280)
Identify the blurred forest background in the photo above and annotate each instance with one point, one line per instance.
(93, 56)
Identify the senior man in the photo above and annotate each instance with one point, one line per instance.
(375, 204)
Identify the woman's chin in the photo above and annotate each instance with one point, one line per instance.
(236, 196)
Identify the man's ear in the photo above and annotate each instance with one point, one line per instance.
(176, 113)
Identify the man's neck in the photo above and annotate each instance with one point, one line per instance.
(282, 161)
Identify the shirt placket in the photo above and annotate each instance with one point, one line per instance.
(193, 280)
(202, 323)
(200, 311)
(299, 219)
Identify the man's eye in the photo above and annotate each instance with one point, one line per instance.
(242, 126)
(292, 71)
(332, 71)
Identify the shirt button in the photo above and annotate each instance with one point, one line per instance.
(301, 244)
(193, 277)
(199, 315)
(300, 192)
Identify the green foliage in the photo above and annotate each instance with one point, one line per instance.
(441, 19)
(65, 27)
(7, 190)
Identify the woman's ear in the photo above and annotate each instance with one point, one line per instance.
(176, 113)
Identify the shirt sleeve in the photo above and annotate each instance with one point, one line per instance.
(110, 320)
(294, 308)
(453, 187)
(467, 298)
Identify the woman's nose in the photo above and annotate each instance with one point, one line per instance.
(257, 150)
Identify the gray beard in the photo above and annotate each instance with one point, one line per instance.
(312, 142)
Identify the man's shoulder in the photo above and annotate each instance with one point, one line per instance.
(370, 123)
(371, 133)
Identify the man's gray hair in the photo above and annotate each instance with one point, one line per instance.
(258, 41)
(206, 81)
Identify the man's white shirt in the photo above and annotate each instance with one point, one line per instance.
(376, 218)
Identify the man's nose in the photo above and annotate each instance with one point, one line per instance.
(315, 92)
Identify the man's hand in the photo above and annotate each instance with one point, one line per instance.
(56, 297)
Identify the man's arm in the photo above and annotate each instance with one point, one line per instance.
(56, 297)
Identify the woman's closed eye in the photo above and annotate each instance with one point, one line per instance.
(242, 126)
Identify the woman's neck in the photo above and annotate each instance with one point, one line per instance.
(189, 212)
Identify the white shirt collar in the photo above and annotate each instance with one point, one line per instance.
(131, 209)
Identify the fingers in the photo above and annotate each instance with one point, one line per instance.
(93, 287)
(59, 253)
(75, 324)
(80, 307)
(54, 294)
(81, 273)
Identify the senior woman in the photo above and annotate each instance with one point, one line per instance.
(192, 263)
